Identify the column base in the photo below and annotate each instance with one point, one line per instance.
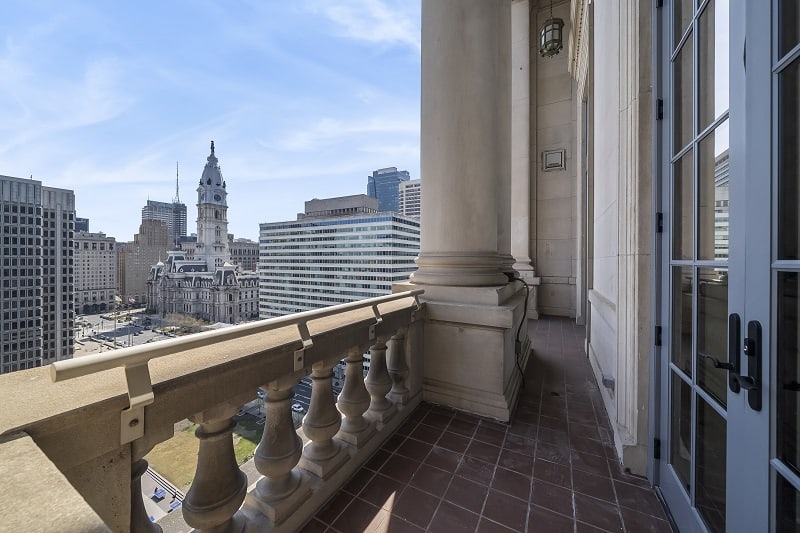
(327, 467)
(455, 269)
(381, 417)
(279, 510)
(472, 355)
(359, 438)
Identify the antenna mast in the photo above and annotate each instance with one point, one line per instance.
(177, 199)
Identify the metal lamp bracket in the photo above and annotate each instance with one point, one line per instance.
(140, 393)
(378, 320)
(417, 308)
(299, 355)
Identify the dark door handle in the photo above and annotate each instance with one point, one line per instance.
(748, 384)
(793, 386)
(752, 349)
(734, 349)
(715, 362)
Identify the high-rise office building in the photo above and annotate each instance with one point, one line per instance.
(172, 214)
(58, 282)
(95, 272)
(340, 250)
(81, 224)
(36, 274)
(148, 247)
(384, 184)
(244, 253)
(410, 198)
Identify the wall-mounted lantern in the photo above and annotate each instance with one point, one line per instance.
(551, 35)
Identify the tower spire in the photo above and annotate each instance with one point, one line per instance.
(177, 199)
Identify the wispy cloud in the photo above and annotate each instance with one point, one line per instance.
(374, 21)
(39, 105)
(104, 98)
(327, 131)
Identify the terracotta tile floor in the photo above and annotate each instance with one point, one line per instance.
(552, 469)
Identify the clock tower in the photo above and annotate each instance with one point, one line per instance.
(212, 216)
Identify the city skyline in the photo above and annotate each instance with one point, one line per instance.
(302, 99)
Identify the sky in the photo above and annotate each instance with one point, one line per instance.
(303, 99)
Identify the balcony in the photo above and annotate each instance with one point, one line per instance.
(78, 447)
(381, 459)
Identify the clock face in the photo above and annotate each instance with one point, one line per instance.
(217, 197)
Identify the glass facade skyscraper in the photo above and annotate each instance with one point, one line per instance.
(172, 214)
(384, 184)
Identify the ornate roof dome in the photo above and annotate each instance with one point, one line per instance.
(212, 188)
(212, 175)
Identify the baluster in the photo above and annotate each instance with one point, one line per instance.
(282, 489)
(219, 487)
(322, 455)
(398, 367)
(378, 383)
(354, 401)
(140, 521)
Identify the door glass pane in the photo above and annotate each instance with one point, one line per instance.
(789, 162)
(710, 472)
(712, 214)
(712, 36)
(712, 330)
(682, 97)
(683, 12)
(788, 387)
(682, 318)
(787, 516)
(682, 204)
(681, 430)
(788, 25)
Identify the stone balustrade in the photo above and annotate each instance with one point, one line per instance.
(88, 432)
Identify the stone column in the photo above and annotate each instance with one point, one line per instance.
(379, 383)
(522, 146)
(219, 487)
(520, 134)
(282, 489)
(140, 522)
(472, 312)
(322, 455)
(465, 152)
(398, 367)
(354, 401)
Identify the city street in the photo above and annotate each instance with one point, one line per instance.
(95, 334)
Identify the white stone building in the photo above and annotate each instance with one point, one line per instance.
(207, 286)
(410, 198)
(96, 270)
(340, 250)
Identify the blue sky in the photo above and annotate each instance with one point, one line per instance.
(303, 99)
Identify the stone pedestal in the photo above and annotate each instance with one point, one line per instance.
(472, 356)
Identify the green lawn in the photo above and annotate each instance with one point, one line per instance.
(176, 458)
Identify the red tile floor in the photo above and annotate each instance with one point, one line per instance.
(552, 469)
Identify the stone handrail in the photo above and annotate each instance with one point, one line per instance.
(135, 359)
(207, 378)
